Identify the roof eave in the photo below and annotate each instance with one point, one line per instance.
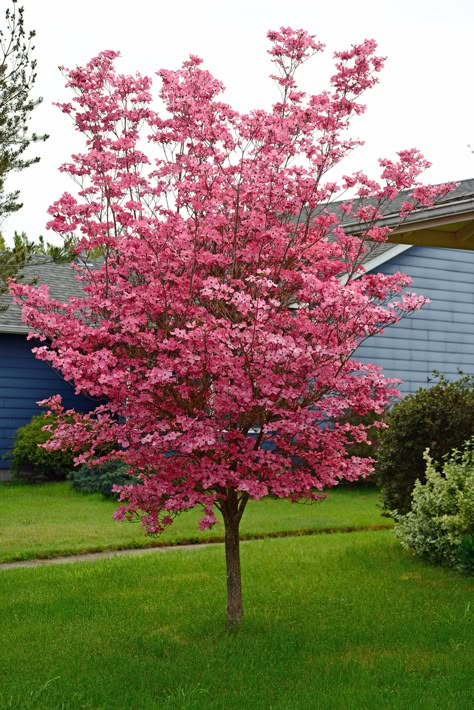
(458, 211)
(14, 329)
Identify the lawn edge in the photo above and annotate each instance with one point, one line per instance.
(187, 542)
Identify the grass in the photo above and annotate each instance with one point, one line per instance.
(332, 622)
(52, 520)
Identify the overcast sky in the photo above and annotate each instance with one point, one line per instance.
(425, 98)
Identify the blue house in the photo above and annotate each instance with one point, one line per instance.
(24, 380)
(435, 246)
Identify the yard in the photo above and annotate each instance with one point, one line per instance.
(332, 621)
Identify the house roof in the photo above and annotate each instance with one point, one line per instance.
(449, 223)
(42, 270)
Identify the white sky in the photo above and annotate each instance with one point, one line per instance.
(425, 98)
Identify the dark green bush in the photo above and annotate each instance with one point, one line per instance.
(30, 462)
(101, 478)
(440, 418)
(465, 555)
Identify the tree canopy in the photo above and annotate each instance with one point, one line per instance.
(221, 328)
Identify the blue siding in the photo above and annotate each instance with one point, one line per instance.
(441, 335)
(24, 381)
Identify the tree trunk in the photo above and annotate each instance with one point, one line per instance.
(232, 510)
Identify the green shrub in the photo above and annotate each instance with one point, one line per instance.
(440, 418)
(101, 478)
(440, 525)
(33, 463)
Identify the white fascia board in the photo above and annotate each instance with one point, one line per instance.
(377, 261)
(386, 256)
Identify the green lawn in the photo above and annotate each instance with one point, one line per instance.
(53, 519)
(333, 622)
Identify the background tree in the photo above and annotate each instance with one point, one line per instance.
(221, 327)
(66, 251)
(10, 261)
(17, 79)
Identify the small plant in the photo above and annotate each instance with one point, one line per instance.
(440, 418)
(101, 478)
(440, 525)
(30, 461)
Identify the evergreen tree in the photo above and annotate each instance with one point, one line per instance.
(17, 79)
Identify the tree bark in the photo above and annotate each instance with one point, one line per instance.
(232, 509)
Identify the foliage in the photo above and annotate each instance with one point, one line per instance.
(12, 260)
(100, 479)
(465, 555)
(440, 525)
(440, 417)
(31, 461)
(17, 80)
(64, 252)
(230, 301)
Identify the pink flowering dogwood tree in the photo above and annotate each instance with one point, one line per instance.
(220, 325)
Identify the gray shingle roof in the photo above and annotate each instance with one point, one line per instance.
(459, 199)
(42, 270)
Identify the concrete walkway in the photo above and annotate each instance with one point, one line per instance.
(91, 556)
